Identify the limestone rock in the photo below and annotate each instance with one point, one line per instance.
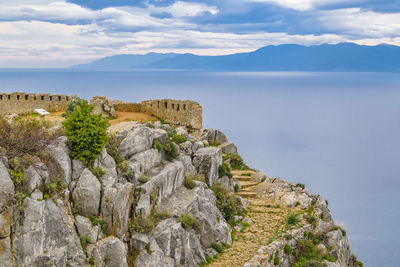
(116, 206)
(160, 135)
(136, 141)
(110, 252)
(340, 245)
(104, 106)
(141, 162)
(187, 164)
(5, 223)
(33, 178)
(157, 124)
(86, 194)
(206, 161)
(156, 258)
(57, 257)
(5, 252)
(214, 136)
(139, 241)
(228, 148)
(107, 163)
(197, 145)
(163, 183)
(6, 186)
(85, 228)
(60, 153)
(181, 130)
(77, 168)
(199, 202)
(186, 148)
(177, 243)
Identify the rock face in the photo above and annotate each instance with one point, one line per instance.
(104, 106)
(86, 194)
(138, 140)
(109, 251)
(6, 186)
(206, 161)
(214, 137)
(60, 153)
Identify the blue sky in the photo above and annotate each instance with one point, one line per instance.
(44, 33)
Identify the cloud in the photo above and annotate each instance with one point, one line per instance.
(301, 5)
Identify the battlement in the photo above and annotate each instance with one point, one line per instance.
(175, 112)
(24, 103)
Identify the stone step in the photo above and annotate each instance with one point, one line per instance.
(247, 194)
(247, 184)
(242, 178)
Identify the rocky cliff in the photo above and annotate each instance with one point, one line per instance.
(158, 196)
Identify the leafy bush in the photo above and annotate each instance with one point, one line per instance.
(170, 150)
(223, 170)
(178, 138)
(16, 172)
(292, 219)
(112, 147)
(96, 221)
(287, 249)
(228, 203)
(86, 133)
(302, 186)
(218, 248)
(236, 162)
(157, 145)
(143, 179)
(188, 221)
(189, 182)
(71, 105)
(97, 171)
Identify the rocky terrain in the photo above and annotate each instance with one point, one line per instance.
(158, 196)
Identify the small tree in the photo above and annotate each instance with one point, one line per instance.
(86, 133)
(71, 105)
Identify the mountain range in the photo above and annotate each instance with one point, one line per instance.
(288, 57)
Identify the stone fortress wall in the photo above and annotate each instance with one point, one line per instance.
(24, 103)
(175, 112)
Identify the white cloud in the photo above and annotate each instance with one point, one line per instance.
(182, 9)
(301, 5)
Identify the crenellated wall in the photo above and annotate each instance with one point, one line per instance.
(23, 103)
(175, 112)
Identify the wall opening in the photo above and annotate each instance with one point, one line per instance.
(50, 98)
(17, 97)
(41, 97)
(173, 106)
(59, 98)
(178, 107)
(184, 106)
(1, 97)
(66, 98)
(158, 104)
(8, 97)
(26, 97)
(34, 97)
(165, 104)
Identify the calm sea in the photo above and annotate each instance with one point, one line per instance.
(339, 133)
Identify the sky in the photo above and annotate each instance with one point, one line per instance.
(57, 34)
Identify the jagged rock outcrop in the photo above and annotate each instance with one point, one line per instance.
(206, 161)
(138, 140)
(104, 106)
(6, 186)
(86, 195)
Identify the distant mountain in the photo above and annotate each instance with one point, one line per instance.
(291, 57)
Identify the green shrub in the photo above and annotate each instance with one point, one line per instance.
(228, 203)
(143, 179)
(178, 138)
(218, 248)
(159, 216)
(292, 219)
(84, 242)
(71, 105)
(223, 170)
(287, 249)
(188, 221)
(143, 225)
(86, 133)
(236, 162)
(157, 145)
(277, 260)
(96, 221)
(236, 188)
(16, 172)
(244, 226)
(97, 171)
(302, 186)
(112, 147)
(170, 150)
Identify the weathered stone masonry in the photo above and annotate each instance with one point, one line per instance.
(23, 103)
(175, 112)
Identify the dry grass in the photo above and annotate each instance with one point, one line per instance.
(132, 116)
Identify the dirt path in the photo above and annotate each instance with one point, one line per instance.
(267, 222)
(132, 116)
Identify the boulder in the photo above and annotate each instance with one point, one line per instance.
(199, 202)
(197, 145)
(110, 252)
(214, 137)
(116, 207)
(141, 162)
(60, 153)
(177, 243)
(228, 148)
(34, 179)
(104, 106)
(207, 161)
(157, 124)
(160, 135)
(6, 186)
(136, 141)
(86, 228)
(155, 258)
(86, 195)
(139, 241)
(181, 130)
(294, 199)
(187, 164)
(107, 163)
(162, 184)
